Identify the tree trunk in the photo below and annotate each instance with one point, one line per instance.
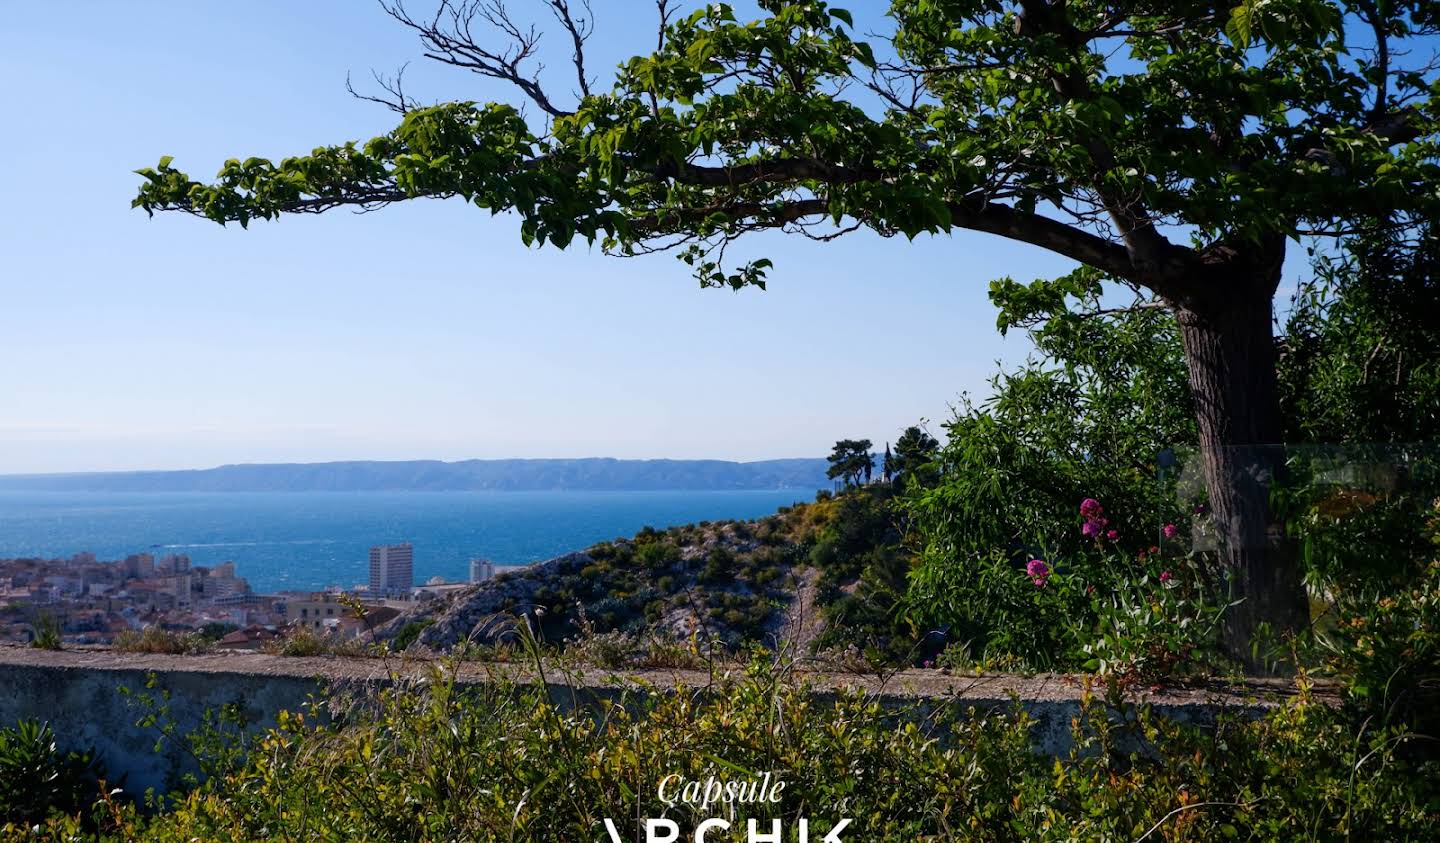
(1230, 351)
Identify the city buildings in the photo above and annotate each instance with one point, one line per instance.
(334, 614)
(316, 612)
(250, 638)
(392, 569)
(90, 601)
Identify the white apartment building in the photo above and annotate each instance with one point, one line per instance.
(392, 569)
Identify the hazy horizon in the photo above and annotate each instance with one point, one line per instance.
(363, 460)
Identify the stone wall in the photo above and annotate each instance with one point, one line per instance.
(78, 693)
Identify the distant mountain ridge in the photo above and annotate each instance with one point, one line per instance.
(510, 475)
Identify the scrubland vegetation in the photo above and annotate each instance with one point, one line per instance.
(432, 760)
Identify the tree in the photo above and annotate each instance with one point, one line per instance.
(1083, 418)
(913, 451)
(1360, 363)
(850, 461)
(1173, 148)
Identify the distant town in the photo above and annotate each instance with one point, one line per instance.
(86, 600)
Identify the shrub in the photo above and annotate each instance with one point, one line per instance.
(605, 649)
(719, 566)
(434, 761)
(657, 554)
(47, 634)
(410, 633)
(156, 639)
(609, 612)
(1388, 652)
(1137, 617)
(1154, 627)
(301, 642)
(765, 576)
(37, 778)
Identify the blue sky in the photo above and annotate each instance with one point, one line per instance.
(422, 331)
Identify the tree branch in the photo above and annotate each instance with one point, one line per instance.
(1149, 249)
(579, 30)
(447, 38)
(398, 101)
(1067, 240)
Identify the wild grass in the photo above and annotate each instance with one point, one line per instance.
(155, 639)
(432, 758)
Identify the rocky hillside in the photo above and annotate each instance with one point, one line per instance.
(726, 582)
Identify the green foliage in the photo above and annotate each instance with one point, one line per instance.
(1386, 647)
(851, 462)
(303, 642)
(217, 747)
(719, 567)
(656, 554)
(435, 760)
(47, 634)
(914, 452)
(1090, 419)
(1360, 360)
(38, 778)
(1361, 514)
(409, 633)
(1043, 105)
(1153, 627)
(1101, 409)
(861, 586)
(155, 639)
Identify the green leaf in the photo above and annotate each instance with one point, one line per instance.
(1240, 25)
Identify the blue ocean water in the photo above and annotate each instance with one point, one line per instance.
(304, 540)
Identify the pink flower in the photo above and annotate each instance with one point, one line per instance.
(1169, 531)
(1095, 520)
(1037, 568)
(1165, 576)
(1112, 535)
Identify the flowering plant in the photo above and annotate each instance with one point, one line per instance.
(1136, 613)
(1152, 621)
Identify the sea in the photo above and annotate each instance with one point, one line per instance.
(312, 540)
